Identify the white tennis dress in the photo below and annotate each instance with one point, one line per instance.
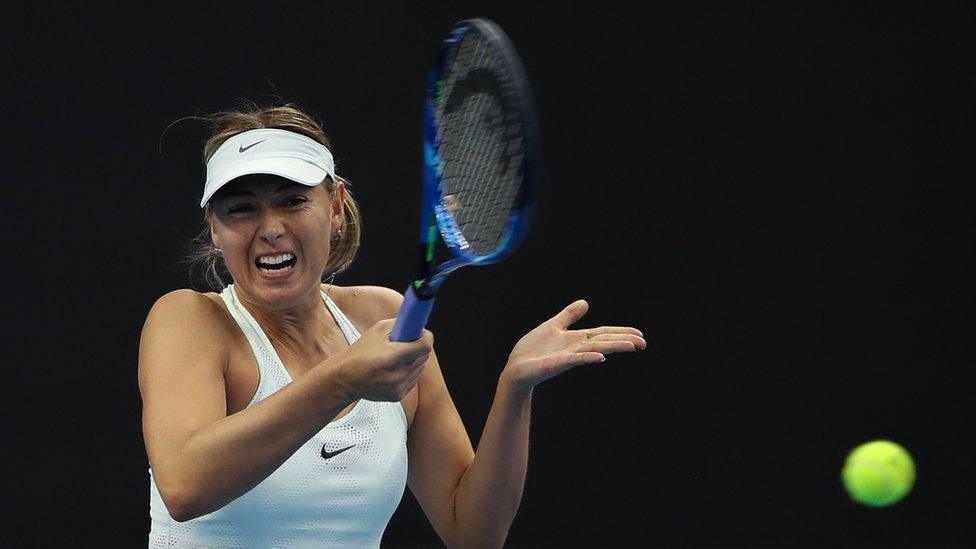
(339, 489)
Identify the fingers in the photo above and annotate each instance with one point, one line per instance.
(613, 330)
(594, 349)
(577, 309)
(569, 315)
(627, 341)
(609, 347)
(416, 368)
(422, 345)
(385, 324)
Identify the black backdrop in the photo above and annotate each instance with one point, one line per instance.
(773, 192)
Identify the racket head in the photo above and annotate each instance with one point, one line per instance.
(481, 145)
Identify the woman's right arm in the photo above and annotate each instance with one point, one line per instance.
(202, 458)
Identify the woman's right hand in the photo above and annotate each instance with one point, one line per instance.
(375, 368)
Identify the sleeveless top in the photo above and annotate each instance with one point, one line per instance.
(339, 489)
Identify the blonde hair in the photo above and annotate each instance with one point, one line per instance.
(228, 123)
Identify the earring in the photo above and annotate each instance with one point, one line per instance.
(339, 234)
(218, 250)
(331, 278)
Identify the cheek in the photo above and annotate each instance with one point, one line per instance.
(235, 245)
(315, 231)
(235, 258)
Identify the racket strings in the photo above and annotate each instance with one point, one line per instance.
(480, 146)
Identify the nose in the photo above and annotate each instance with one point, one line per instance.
(272, 228)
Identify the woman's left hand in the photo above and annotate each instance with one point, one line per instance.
(552, 348)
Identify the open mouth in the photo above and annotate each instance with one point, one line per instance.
(276, 264)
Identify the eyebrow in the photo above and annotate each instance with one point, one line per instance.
(244, 192)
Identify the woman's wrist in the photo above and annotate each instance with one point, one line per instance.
(332, 373)
(511, 386)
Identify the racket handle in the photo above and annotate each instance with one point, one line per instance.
(412, 318)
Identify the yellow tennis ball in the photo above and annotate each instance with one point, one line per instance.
(878, 473)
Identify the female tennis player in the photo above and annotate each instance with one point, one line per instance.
(279, 413)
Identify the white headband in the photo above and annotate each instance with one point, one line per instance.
(269, 151)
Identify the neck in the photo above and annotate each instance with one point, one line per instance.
(300, 328)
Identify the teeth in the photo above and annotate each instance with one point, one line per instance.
(275, 259)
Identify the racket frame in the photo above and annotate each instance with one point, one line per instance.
(438, 223)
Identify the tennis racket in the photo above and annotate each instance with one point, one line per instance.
(481, 161)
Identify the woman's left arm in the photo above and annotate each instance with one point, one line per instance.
(471, 498)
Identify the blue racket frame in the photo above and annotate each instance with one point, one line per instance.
(436, 218)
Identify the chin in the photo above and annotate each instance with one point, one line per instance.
(281, 292)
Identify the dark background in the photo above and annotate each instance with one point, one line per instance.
(773, 192)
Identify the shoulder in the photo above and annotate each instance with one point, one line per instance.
(184, 301)
(365, 305)
(187, 309)
(183, 328)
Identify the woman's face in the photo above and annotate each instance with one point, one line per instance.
(276, 236)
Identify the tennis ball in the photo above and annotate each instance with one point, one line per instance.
(878, 473)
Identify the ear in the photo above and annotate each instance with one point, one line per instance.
(338, 204)
(213, 236)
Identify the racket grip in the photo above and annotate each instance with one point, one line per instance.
(412, 318)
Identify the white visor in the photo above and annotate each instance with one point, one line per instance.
(268, 151)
